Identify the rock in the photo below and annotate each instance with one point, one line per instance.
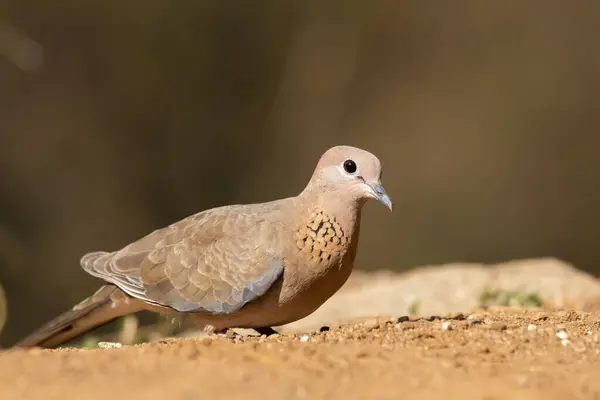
(541, 316)
(450, 289)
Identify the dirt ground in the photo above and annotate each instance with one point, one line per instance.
(495, 354)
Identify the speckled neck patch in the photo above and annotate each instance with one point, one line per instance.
(322, 240)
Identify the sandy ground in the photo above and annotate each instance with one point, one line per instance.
(495, 354)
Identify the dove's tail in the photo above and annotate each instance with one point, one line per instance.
(105, 305)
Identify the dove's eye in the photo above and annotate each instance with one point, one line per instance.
(350, 166)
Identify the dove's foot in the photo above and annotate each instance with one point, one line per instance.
(226, 332)
(266, 330)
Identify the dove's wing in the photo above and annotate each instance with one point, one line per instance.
(215, 261)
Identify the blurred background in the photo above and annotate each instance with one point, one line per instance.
(117, 118)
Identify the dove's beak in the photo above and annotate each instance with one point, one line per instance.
(378, 192)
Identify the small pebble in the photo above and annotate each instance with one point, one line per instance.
(498, 326)
(370, 324)
(541, 316)
(406, 326)
(446, 326)
(564, 342)
(403, 319)
(561, 334)
(531, 327)
(110, 345)
(304, 338)
(475, 317)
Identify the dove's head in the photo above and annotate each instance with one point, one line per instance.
(351, 173)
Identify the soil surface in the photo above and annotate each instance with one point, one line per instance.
(500, 353)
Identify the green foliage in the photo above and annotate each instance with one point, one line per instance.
(413, 308)
(88, 341)
(512, 298)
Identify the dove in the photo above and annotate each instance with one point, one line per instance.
(238, 266)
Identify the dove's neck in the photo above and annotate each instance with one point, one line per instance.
(336, 204)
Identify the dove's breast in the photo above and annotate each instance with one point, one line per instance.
(316, 265)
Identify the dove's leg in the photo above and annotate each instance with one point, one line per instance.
(105, 305)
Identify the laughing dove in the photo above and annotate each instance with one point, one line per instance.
(239, 266)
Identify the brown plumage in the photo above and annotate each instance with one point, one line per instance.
(245, 266)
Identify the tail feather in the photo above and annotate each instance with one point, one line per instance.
(105, 305)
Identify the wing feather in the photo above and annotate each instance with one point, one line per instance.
(216, 261)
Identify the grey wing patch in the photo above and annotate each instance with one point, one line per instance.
(237, 298)
(195, 266)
